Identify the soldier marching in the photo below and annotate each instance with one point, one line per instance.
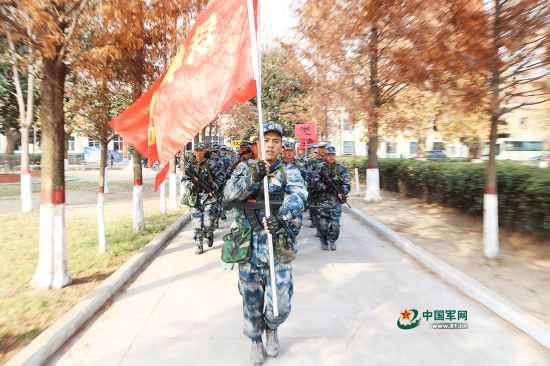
(213, 175)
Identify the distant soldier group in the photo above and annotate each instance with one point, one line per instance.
(215, 176)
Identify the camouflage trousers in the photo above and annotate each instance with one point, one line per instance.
(255, 289)
(329, 222)
(203, 217)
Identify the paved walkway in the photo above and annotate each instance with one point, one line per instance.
(185, 310)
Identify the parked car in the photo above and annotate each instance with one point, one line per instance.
(435, 155)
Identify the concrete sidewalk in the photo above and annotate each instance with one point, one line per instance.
(185, 310)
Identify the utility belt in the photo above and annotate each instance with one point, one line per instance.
(251, 206)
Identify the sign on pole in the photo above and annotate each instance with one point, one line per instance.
(306, 130)
(235, 143)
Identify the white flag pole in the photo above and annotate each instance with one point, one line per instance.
(254, 41)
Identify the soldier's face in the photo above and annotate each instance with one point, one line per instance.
(199, 154)
(255, 150)
(273, 146)
(330, 158)
(289, 154)
(321, 152)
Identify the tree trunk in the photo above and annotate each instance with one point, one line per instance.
(172, 188)
(25, 121)
(52, 269)
(26, 188)
(373, 178)
(543, 163)
(11, 140)
(138, 216)
(490, 198)
(66, 151)
(101, 197)
(163, 198)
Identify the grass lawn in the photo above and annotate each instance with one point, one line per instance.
(26, 312)
(14, 189)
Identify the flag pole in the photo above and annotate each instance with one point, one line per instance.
(255, 49)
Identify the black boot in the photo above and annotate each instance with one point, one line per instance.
(210, 240)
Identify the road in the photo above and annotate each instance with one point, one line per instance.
(185, 310)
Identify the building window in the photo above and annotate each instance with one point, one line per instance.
(71, 143)
(93, 143)
(391, 148)
(349, 148)
(412, 148)
(523, 146)
(117, 143)
(438, 146)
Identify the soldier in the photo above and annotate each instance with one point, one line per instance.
(331, 184)
(288, 189)
(245, 153)
(289, 157)
(254, 148)
(317, 158)
(225, 164)
(203, 177)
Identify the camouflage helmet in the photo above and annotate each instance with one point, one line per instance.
(289, 145)
(273, 126)
(200, 146)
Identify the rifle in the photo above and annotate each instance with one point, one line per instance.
(336, 188)
(203, 186)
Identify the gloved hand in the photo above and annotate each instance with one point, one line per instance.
(272, 224)
(260, 172)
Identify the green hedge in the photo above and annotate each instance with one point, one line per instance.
(523, 191)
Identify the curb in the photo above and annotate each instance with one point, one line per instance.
(54, 337)
(522, 320)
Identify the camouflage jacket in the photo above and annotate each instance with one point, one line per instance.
(209, 171)
(320, 190)
(301, 167)
(282, 179)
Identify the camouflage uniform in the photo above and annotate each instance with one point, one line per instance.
(328, 208)
(311, 163)
(203, 215)
(254, 276)
(299, 164)
(223, 163)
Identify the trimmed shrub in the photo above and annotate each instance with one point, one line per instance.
(523, 191)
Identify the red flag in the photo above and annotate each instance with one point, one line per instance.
(133, 123)
(212, 72)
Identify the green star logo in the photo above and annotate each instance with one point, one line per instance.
(411, 323)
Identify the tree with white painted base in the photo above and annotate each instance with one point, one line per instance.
(50, 30)
(172, 185)
(26, 114)
(162, 190)
(138, 218)
(52, 269)
(503, 45)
